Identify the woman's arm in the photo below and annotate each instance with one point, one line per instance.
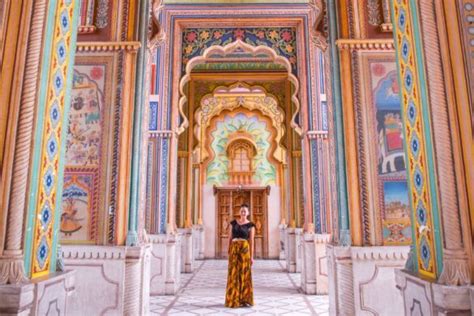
(229, 233)
(252, 242)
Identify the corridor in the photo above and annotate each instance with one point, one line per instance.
(275, 293)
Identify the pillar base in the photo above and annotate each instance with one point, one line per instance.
(299, 240)
(282, 229)
(290, 246)
(165, 264)
(314, 273)
(198, 242)
(110, 279)
(423, 297)
(187, 256)
(42, 296)
(357, 276)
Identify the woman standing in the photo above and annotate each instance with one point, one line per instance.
(241, 243)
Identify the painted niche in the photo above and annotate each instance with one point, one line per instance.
(229, 129)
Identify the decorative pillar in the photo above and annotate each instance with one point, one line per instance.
(132, 234)
(49, 141)
(426, 36)
(46, 44)
(344, 235)
(11, 259)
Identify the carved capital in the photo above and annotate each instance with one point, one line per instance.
(12, 270)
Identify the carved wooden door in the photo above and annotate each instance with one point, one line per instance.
(228, 208)
(224, 218)
(259, 217)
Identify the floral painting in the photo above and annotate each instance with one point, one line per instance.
(282, 40)
(252, 124)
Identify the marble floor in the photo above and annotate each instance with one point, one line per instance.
(275, 293)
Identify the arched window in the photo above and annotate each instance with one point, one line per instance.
(240, 152)
(241, 161)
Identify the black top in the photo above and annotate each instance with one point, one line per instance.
(241, 231)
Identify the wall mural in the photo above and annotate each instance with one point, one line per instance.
(282, 40)
(225, 126)
(391, 168)
(83, 154)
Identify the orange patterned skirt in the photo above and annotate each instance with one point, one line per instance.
(239, 279)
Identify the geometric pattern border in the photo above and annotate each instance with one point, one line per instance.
(53, 131)
(422, 206)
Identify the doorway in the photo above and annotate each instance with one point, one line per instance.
(229, 200)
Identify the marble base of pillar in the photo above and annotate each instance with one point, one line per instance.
(314, 272)
(308, 265)
(290, 238)
(321, 262)
(187, 247)
(282, 229)
(358, 276)
(109, 279)
(137, 280)
(422, 297)
(198, 242)
(48, 295)
(165, 264)
(299, 240)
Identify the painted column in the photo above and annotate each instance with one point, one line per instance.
(419, 149)
(11, 260)
(439, 202)
(344, 231)
(46, 183)
(132, 235)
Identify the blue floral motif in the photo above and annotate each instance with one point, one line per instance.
(411, 113)
(425, 253)
(282, 40)
(42, 252)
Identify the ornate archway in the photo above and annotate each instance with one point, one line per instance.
(258, 53)
(230, 98)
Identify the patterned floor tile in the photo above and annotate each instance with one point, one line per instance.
(275, 293)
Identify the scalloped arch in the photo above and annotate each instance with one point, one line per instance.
(233, 97)
(255, 51)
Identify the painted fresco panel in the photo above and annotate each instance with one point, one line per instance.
(391, 165)
(258, 128)
(384, 194)
(282, 40)
(85, 171)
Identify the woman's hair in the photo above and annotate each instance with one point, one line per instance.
(245, 205)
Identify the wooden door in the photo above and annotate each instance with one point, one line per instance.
(224, 218)
(259, 217)
(228, 208)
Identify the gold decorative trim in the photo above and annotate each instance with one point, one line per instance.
(183, 154)
(366, 44)
(317, 134)
(386, 27)
(107, 46)
(86, 29)
(162, 134)
(297, 154)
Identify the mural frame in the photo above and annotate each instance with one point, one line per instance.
(372, 183)
(109, 60)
